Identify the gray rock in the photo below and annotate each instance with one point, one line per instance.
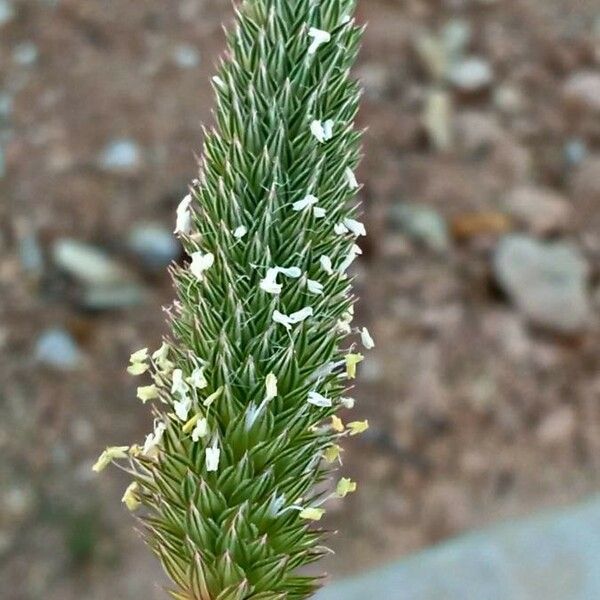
(106, 283)
(456, 36)
(478, 131)
(509, 99)
(25, 54)
(110, 297)
(30, 253)
(6, 104)
(87, 264)
(583, 89)
(422, 224)
(186, 56)
(472, 74)
(154, 245)
(432, 54)
(550, 557)
(7, 12)
(558, 427)
(439, 51)
(575, 152)
(546, 281)
(437, 119)
(585, 185)
(57, 349)
(121, 156)
(541, 210)
(17, 502)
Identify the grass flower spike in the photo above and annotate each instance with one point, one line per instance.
(247, 387)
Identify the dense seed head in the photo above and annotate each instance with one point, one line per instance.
(257, 366)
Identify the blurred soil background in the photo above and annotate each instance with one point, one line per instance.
(480, 281)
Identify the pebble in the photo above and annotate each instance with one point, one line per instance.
(471, 74)
(2, 162)
(422, 224)
(432, 55)
(509, 331)
(546, 281)
(541, 210)
(437, 119)
(482, 224)
(113, 297)
(575, 152)
(87, 264)
(456, 36)
(190, 10)
(7, 12)
(57, 349)
(585, 184)
(438, 52)
(30, 253)
(154, 245)
(6, 104)
(509, 99)
(186, 56)
(478, 132)
(6, 542)
(121, 156)
(106, 283)
(558, 427)
(17, 502)
(583, 89)
(25, 54)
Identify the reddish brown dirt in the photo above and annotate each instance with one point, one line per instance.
(474, 416)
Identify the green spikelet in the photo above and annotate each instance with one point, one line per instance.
(231, 481)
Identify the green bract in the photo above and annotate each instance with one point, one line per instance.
(257, 367)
